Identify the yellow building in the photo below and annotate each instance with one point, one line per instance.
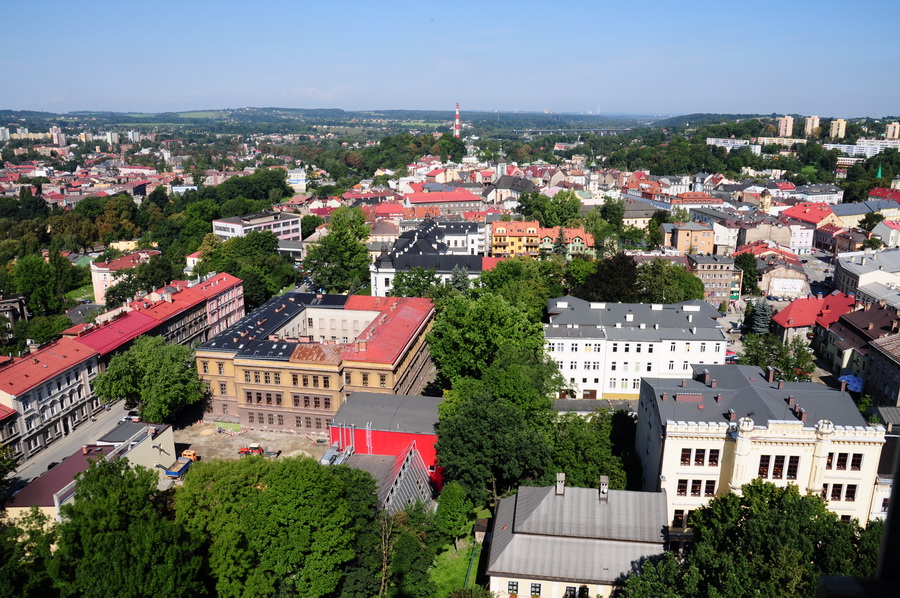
(289, 365)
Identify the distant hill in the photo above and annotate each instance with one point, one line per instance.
(706, 119)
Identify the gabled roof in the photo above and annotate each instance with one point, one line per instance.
(809, 212)
(34, 369)
(803, 313)
(41, 490)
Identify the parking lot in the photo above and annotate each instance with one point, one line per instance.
(211, 444)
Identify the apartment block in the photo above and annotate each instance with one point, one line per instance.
(722, 426)
(604, 349)
(283, 225)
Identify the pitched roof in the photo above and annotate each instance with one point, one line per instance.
(576, 536)
(41, 490)
(386, 338)
(457, 195)
(110, 336)
(813, 213)
(803, 313)
(389, 412)
(35, 368)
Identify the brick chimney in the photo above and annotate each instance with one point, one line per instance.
(770, 374)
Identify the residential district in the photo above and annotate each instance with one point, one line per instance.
(565, 359)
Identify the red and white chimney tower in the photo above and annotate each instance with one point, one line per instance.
(456, 126)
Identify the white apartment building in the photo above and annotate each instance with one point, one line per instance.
(785, 126)
(604, 349)
(463, 238)
(283, 225)
(723, 426)
(50, 389)
(810, 126)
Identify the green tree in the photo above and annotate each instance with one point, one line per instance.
(453, 517)
(750, 281)
(761, 318)
(467, 334)
(113, 540)
(872, 243)
(559, 245)
(583, 449)
(36, 279)
(25, 549)
(415, 282)
(339, 262)
(615, 279)
(765, 541)
(309, 224)
(870, 220)
(157, 378)
(487, 446)
(526, 282)
(792, 360)
(661, 281)
(613, 211)
(291, 527)
(8, 464)
(459, 279)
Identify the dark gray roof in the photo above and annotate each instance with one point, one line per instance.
(395, 413)
(125, 430)
(744, 389)
(250, 333)
(576, 536)
(632, 321)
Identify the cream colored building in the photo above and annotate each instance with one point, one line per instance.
(710, 434)
(838, 128)
(892, 131)
(572, 542)
(810, 126)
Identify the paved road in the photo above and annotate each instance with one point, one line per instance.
(86, 433)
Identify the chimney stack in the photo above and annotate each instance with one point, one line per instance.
(712, 383)
(770, 374)
(560, 484)
(707, 377)
(803, 415)
(790, 401)
(604, 488)
(781, 385)
(843, 386)
(732, 416)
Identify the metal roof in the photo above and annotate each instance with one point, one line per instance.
(576, 536)
(389, 412)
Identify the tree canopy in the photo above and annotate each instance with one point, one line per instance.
(661, 281)
(157, 378)
(339, 262)
(467, 334)
(114, 541)
(767, 541)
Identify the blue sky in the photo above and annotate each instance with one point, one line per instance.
(639, 57)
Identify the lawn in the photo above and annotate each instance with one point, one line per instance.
(85, 292)
(449, 570)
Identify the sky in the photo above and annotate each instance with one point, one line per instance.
(639, 57)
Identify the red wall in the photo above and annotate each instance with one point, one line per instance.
(390, 443)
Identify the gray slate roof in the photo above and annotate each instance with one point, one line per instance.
(576, 537)
(395, 413)
(744, 389)
(688, 320)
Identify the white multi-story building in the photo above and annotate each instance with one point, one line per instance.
(892, 131)
(50, 389)
(724, 426)
(464, 238)
(283, 225)
(604, 349)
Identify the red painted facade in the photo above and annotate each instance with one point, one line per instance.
(381, 442)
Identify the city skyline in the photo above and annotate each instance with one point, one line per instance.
(707, 57)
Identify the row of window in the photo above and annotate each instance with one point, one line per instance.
(840, 463)
(697, 486)
(310, 423)
(43, 393)
(700, 457)
(306, 401)
(838, 492)
(305, 380)
(773, 467)
(633, 383)
(681, 519)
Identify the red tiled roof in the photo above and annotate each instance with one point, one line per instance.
(41, 490)
(489, 263)
(813, 213)
(802, 313)
(893, 224)
(442, 196)
(386, 338)
(6, 412)
(27, 372)
(108, 337)
(215, 285)
(885, 193)
(126, 262)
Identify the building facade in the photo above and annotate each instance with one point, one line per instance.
(105, 274)
(283, 225)
(712, 432)
(720, 277)
(289, 365)
(604, 349)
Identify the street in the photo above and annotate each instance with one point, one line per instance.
(86, 433)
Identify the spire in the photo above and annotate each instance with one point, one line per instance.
(878, 176)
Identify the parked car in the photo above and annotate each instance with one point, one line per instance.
(772, 298)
